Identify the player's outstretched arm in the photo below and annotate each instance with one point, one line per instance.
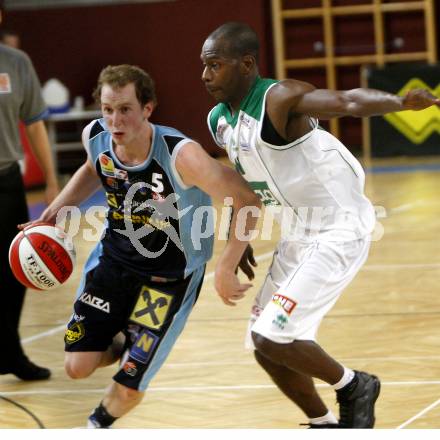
(292, 97)
(197, 168)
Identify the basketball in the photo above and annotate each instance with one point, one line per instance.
(42, 256)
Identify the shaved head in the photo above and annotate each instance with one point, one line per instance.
(236, 39)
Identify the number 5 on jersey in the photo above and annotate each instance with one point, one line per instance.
(156, 181)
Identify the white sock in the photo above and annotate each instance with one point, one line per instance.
(346, 378)
(328, 418)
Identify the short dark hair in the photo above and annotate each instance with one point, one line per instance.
(239, 39)
(120, 76)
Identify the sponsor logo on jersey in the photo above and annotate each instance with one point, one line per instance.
(112, 182)
(221, 131)
(280, 321)
(5, 83)
(111, 200)
(130, 368)
(78, 318)
(143, 347)
(151, 308)
(244, 139)
(107, 165)
(143, 205)
(245, 120)
(156, 279)
(121, 174)
(74, 333)
(416, 126)
(285, 303)
(142, 187)
(245, 133)
(96, 302)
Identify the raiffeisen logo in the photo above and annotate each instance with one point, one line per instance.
(416, 126)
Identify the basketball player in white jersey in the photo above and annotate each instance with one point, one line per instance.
(270, 131)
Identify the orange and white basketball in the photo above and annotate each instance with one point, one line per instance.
(42, 256)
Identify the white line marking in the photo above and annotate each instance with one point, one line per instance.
(42, 335)
(402, 208)
(264, 256)
(420, 414)
(200, 388)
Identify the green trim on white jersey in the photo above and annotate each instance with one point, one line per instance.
(251, 105)
(315, 176)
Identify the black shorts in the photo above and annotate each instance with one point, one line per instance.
(151, 312)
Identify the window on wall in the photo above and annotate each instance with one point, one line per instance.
(38, 4)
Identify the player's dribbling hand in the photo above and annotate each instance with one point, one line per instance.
(228, 286)
(44, 218)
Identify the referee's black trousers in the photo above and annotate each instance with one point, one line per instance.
(13, 211)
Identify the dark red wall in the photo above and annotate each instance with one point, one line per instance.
(74, 44)
(353, 35)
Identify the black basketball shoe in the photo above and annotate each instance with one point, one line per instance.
(356, 401)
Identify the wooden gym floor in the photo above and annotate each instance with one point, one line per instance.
(387, 322)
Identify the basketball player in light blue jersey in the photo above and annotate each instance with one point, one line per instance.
(144, 276)
(270, 131)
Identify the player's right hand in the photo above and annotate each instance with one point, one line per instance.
(419, 99)
(228, 286)
(44, 218)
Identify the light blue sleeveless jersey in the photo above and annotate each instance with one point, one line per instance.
(174, 218)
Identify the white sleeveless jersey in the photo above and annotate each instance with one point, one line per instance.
(313, 185)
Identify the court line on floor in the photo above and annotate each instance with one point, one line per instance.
(50, 332)
(198, 388)
(420, 414)
(259, 258)
(403, 208)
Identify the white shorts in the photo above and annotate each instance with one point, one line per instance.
(304, 282)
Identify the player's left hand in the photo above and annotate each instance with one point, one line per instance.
(228, 286)
(419, 99)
